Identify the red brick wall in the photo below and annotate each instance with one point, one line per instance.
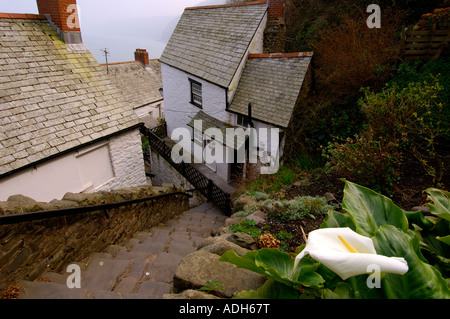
(58, 11)
(276, 9)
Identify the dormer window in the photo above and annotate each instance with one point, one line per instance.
(196, 93)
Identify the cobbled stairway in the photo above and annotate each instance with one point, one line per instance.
(142, 268)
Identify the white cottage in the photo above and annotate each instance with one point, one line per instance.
(140, 83)
(215, 65)
(64, 127)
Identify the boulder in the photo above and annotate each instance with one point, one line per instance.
(243, 240)
(201, 267)
(240, 203)
(258, 216)
(21, 200)
(232, 221)
(220, 245)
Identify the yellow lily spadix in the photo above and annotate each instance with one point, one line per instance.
(347, 245)
(348, 253)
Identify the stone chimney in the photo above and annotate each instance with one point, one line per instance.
(63, 15)
(141, 55)
(275, 33)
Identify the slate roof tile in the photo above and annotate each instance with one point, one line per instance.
(209, 39)
(272, 85)
(49, 96)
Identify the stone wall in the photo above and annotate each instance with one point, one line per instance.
(275, 37)
(29, 249)
(127, 161)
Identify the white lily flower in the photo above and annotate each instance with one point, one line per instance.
(347, 253)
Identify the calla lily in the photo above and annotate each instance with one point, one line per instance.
(348, 253)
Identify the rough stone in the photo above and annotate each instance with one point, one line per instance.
(233, 221)
(221, 245)
(258, 216)
(243, 240)
(197, 268)
(240, 203)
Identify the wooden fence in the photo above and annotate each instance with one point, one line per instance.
(423, 44)
(204, 185)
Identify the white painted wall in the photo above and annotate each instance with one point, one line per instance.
(177, 96)
(110, 164)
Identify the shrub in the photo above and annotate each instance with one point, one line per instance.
(400, 122)
(349, 56)
(299, 207)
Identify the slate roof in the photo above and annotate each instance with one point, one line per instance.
(51, 99)
(138, 84)
(234, 141)
(210, 42)
(272, 83)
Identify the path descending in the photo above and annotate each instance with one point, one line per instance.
(143, 268)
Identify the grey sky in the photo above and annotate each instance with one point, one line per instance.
(121, 25)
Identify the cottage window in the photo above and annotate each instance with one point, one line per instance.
(196, 93)
(242, 120)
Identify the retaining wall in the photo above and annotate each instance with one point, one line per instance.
(30, 249)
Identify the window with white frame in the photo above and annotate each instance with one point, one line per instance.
(196, 93)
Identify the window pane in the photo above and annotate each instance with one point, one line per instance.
(196, 93)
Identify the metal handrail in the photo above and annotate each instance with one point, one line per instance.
(34, 216)
(210, 190)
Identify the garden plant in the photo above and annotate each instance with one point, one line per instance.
(411, 249)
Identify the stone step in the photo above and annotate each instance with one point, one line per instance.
(103, 274)
(142, 268)
(49, 290)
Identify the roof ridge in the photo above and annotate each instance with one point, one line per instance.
(280, 55)
(4, 15)
(240, 4)
(123, 62)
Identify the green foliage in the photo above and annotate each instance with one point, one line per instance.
(212, 286)
(299, 207)
(282, 210)
(271, 183)
(394, 232)
(246, 226)
(145, 143)
(401, 122)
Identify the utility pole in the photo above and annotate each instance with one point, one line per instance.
(106, 53)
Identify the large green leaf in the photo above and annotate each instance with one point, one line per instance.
(422, 280)
(279, 266)
(441, 202)
(271, 289)
(338, 220)
(370, 210)
(445, 239)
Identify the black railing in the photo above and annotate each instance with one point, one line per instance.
(35, 216)
(204, 185)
